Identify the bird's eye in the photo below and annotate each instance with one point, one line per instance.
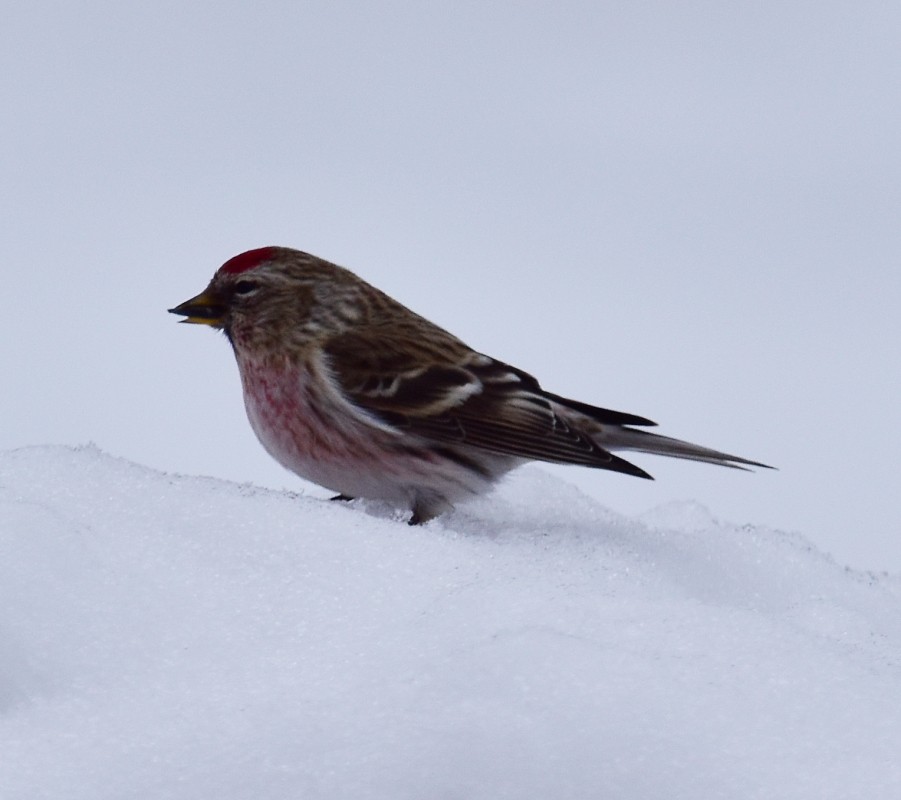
(244, 287)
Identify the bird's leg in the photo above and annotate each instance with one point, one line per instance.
(427, 506)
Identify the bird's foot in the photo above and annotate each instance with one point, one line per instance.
(427, 506)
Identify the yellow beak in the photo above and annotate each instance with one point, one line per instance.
(205, 309)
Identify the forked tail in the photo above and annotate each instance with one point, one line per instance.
(620, 438)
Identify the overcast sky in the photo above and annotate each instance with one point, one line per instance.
(689, 211)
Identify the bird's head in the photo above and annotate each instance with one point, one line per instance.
(277, 296)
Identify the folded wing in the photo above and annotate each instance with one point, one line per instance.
(467, 399)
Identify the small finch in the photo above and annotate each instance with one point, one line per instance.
(351, 390)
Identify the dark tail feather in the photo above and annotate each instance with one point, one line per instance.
(644, 442)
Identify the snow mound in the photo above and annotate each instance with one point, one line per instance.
(176, 637)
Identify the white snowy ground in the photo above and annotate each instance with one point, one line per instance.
(174, 637)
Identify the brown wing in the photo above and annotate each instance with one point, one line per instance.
(445, 392)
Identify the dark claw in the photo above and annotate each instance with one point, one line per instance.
(342, 497)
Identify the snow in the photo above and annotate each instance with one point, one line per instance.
(166, 636)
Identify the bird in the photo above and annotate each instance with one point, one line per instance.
(351, 390)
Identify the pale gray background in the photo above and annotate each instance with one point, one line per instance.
(684, 210)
